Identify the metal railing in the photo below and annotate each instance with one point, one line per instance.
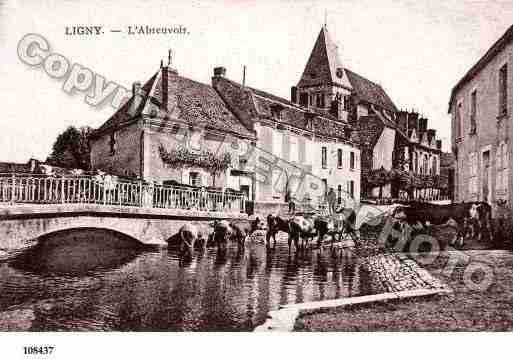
(107, 190)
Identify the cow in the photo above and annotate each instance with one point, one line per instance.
(275, 224)
(468, 215)
(345, 222)
(341, 222)
(324, 225)
(188, 234)
(235, 230)
(301, 229)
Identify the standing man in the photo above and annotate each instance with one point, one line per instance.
(290, 200)
(332, 200)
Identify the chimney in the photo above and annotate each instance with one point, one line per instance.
(136, 98)
(220, 71)
(402, 120)
(439, 144)
(293, 94)
(244, 76)
(431, 134)
(423, 124)
(413, 118)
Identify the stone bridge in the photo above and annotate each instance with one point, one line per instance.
(22, 225)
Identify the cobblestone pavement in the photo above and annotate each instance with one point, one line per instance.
(395, 272)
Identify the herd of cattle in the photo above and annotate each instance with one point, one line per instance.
(472, 219)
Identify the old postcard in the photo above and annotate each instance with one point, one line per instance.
(254, 166)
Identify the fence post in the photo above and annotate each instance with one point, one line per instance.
(140, 193)
(13, 188)
(104, 192)
(62, 190)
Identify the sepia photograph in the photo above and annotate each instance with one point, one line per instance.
(254, 166)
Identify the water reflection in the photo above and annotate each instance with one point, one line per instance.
(96, 281)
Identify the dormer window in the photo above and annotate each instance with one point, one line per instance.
(320, 100)
(303, 99)
(276, 110)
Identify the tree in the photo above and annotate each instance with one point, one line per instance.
(71, 148)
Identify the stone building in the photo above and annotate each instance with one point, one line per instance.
(305, 140)
(168, 112)
(275, 146)
(481, 104)
(401, 142)
(386, 136)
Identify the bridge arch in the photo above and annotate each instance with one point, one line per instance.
(91, 230)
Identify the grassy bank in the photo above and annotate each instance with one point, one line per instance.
(464, 310)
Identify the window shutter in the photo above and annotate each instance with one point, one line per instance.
(498, 168)
(505, 167)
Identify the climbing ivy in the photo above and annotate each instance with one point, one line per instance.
(212, 163)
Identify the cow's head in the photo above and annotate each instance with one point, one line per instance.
(257, 225)
(474, 211)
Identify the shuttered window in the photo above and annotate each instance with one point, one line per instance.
(503, 90)
(339, 158)
(501, 165)
(324, 157)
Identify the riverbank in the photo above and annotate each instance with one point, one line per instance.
(465, 309)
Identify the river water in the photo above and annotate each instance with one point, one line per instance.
(97, 280)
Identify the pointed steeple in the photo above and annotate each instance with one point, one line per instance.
(324, 66)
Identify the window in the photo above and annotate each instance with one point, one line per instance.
(415, 163)
(325, 183)
(473, 111)
(339, 194)
(350, 189)
(503, 90)
(345, 99)
(320, 100)
(351, 160)
(303, 99)
(339, 158)
(459, 120)
(434, 169)
(472, 182)
(324, 157)
(194, 179)
(425, 165)
(502, 168)
(112, 143)
(311, 102)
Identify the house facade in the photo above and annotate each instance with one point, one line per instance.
(172, 126)
(481, 105)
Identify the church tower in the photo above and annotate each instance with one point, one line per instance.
(324, 85)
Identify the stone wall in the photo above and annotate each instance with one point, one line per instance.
(126, 159)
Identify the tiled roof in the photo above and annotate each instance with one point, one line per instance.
(324, 65)
(369, 91)
(10, 167)
(122, 114)
(251, 103)
(197, 104)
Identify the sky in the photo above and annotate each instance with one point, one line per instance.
(417, 50)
